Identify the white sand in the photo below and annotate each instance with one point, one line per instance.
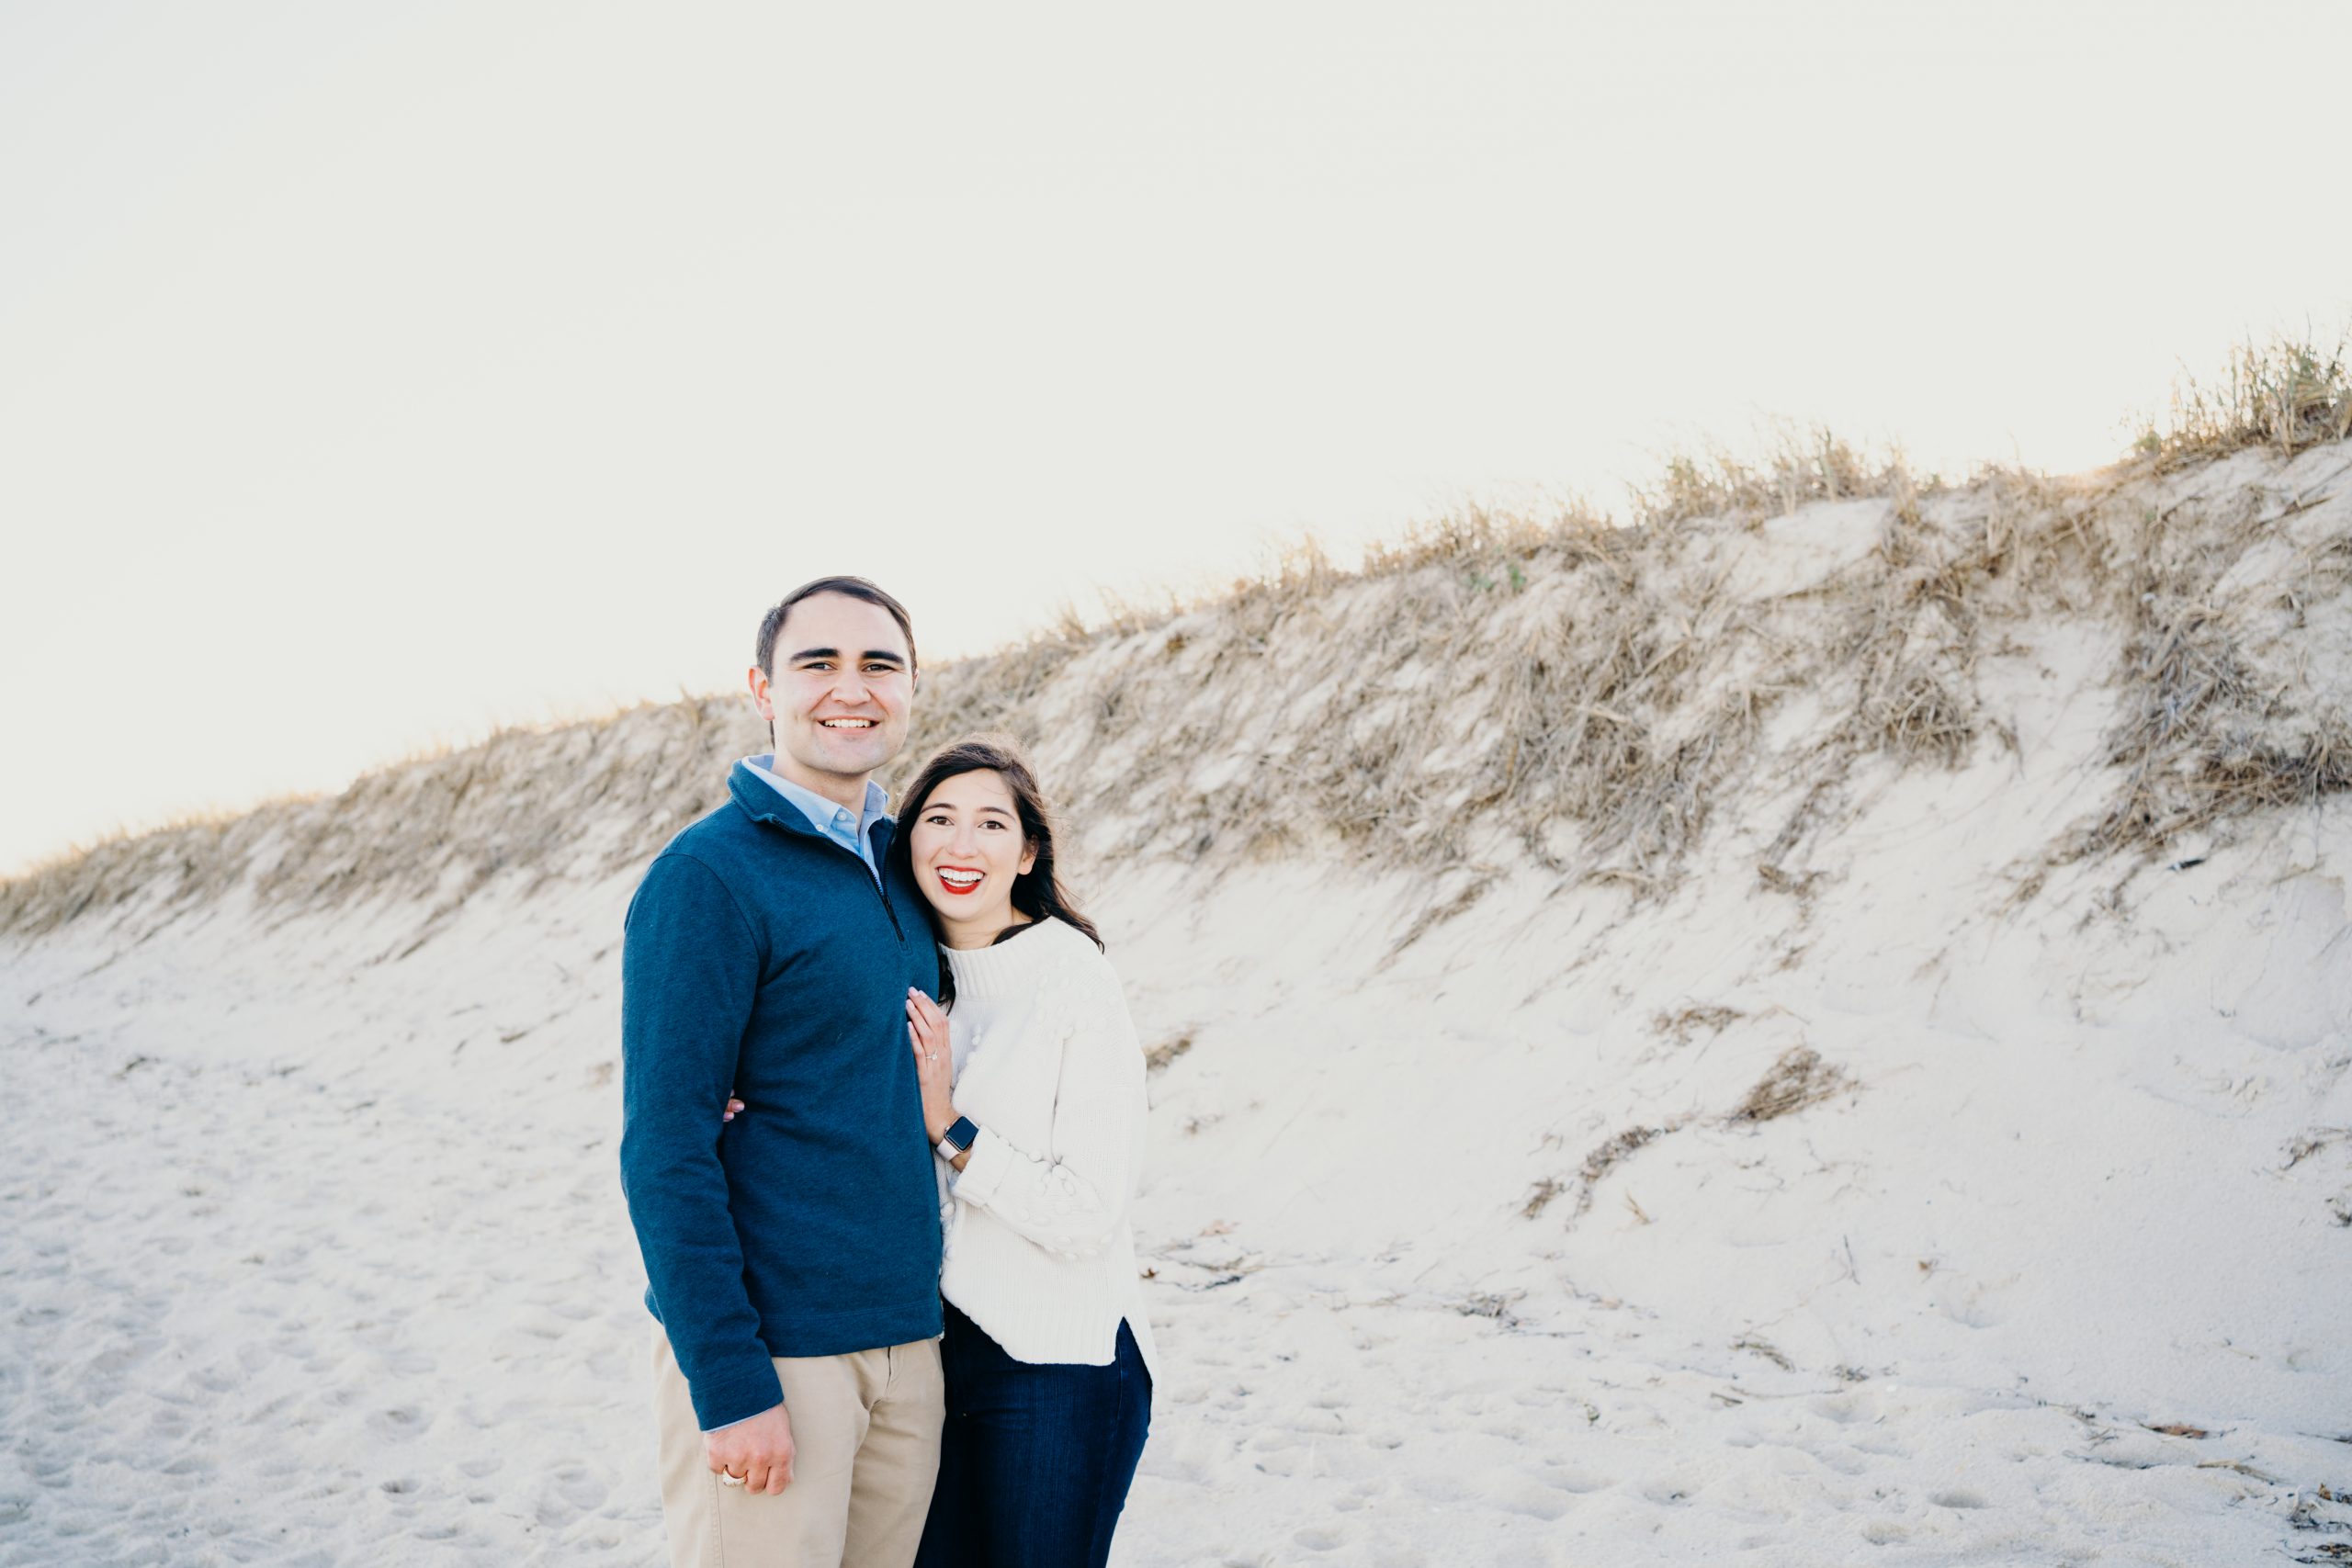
(307, 1256)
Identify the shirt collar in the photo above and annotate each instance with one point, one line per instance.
(825, 816)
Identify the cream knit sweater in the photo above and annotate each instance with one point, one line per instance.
(1038, 1249)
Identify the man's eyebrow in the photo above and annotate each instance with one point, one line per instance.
(872, 655)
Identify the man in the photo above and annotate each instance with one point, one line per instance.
(793, 1257)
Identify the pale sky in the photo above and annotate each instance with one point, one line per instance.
(371, 375)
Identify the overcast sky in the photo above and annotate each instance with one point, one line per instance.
(371, 375)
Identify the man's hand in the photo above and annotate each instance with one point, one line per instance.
(758, 1451)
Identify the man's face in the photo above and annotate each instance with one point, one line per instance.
(838, 695)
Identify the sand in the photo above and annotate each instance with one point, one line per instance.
(312, 1249)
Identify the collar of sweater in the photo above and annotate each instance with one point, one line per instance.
(1015, 968)
(762, 802)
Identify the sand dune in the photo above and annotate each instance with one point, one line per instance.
(1821, 1037)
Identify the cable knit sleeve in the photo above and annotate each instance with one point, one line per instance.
(1070, 1198)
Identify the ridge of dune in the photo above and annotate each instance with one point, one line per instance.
(1821, 1028)
(1581, 694)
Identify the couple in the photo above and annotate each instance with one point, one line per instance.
(924, 1034)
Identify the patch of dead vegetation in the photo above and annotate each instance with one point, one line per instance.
(1597, 1166)
(1757, 1345)
(1539, 1196)
(1799, 1078)
(2207, 733)
(1802, 889)
(1157, 1059)
(1682, 1027)
(2286, 395)
(1799, 465)
(582, 800)
(2305, 1145)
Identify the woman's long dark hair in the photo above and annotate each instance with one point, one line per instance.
(1038, 892)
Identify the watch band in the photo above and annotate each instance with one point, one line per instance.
(959, 1137)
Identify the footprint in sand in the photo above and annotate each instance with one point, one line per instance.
(1973, 1304)
(401, 1421)
(1576, 1481)
(1536, 1504)
(582, 1489)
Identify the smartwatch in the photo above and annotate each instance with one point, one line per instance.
(959, 1137)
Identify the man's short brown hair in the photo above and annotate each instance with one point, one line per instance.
(771, 623)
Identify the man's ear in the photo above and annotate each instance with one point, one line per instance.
(762, 701)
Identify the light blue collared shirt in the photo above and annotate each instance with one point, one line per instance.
(830, 818)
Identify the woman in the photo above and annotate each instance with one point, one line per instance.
(1033, 1096)
(1032, 1088)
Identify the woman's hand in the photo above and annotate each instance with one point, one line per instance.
(733, 1105)
(934, 1062)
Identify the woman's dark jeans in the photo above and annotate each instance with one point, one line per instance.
(1035, 1459)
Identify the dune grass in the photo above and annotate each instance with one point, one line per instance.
(1493, 690)
(2285, 395)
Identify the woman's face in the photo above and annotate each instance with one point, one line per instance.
(967, 847)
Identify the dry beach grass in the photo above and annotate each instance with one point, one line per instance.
(1562, 689)
(1810, 1023)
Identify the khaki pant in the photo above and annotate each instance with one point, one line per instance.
(865, 1451)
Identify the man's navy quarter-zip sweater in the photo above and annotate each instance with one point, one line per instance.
(763, 958)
